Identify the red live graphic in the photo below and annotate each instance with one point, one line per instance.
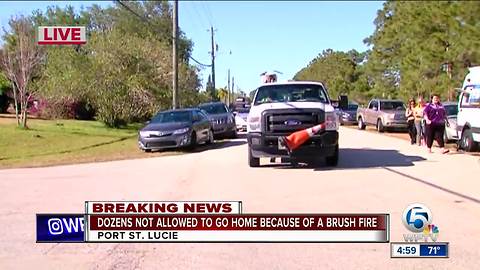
(61, 35)
(238, 222)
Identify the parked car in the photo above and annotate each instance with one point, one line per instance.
(451, 127)
(241, 115)
(348, 116)
(468, 118)
(222, 119)
(174, 129)
(383, 114)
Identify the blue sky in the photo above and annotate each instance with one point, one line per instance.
(261, 35)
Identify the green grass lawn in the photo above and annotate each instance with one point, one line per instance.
(54, 142)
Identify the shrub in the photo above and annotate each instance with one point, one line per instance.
(4, 102)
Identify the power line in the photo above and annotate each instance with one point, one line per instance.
(201, 17)
(134, 13)
(191, 20)
(196, 26)
(207, 12)
(204, 11)
(174, 55)
(193, 59)
(149, 23)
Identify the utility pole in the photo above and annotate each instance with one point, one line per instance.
(213, 59)
(174, 55)
(449, 73)
(228, 88)
(233, 89)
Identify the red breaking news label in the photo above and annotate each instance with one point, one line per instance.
(344, 222)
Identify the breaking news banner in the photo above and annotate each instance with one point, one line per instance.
(58, 228)
(419, 250)
(298, 228)
(205, 222)
(163, 207)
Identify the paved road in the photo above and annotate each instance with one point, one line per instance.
(376, 174)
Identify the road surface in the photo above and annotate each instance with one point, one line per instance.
(376, 174)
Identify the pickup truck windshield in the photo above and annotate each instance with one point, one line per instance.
(290, 93)
(392, 105)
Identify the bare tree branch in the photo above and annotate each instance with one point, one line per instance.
(19, 58)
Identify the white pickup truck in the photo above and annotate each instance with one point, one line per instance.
(279, 109)
(468, 118)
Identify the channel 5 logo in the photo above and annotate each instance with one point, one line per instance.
(417, 218)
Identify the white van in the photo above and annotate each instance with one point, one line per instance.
(468, 119)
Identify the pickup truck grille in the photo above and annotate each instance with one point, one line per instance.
(284, 122)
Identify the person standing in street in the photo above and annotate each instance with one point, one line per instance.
(409, 113)
(419, 121)
(435, 116)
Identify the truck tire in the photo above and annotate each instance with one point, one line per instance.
(466, 142)
(361, 124)
(252, 161)
(380, 127)
(333, 160)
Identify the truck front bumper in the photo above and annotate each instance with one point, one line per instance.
(320, 145)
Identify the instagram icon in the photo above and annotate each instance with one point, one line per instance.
(55, 226)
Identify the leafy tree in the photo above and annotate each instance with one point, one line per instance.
(5, 86)
(417, 48)
(212, 92)
(335, 69)
(414, 42)
(123, 79)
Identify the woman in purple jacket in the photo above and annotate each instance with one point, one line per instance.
(435, 115)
